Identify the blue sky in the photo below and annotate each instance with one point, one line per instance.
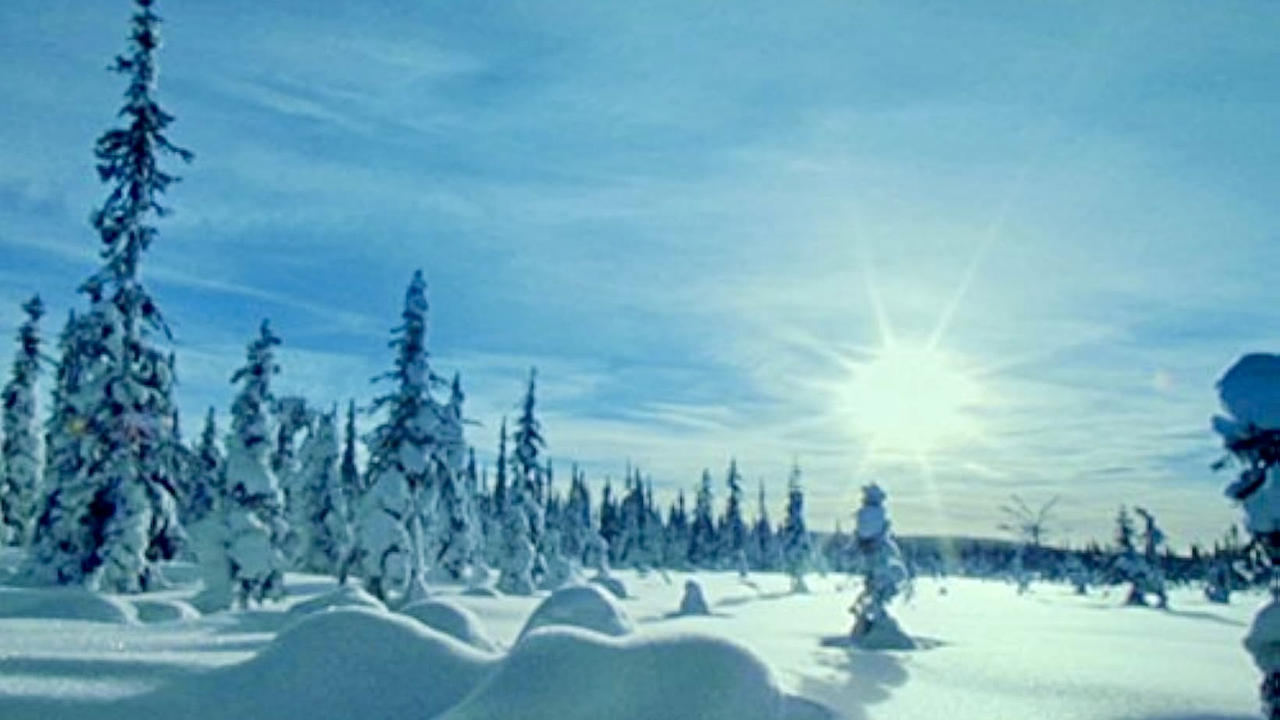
(681, 213)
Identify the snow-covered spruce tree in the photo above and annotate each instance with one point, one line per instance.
(610, 522)
(1250, 429)
(20, 451)
(631, 512)
(130, 520)
(575, 519)
(764, 548)
(1152, 539)
(452, 519)
(874, 628)
(703, 544)
(326, 531)
(675, 553)
(60, 540)
(405, 459)
(530, 475)
(797, 545)
(208, 485)
(349, 469)
(495, 523)
(293, 418)
(733, 529)
(241, 546)
(1128, 565)
(523, 517)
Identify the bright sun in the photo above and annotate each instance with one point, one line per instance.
(910, 400)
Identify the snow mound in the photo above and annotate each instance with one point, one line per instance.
(347, 596)
(153, 610)
(335, 665)
(884, 634)
(581, 606)
(612, 584)
(453, 620)
(694, 601)
(65, 604)
(572, 674)
(1250, 392)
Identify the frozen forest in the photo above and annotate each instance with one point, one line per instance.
(557, 397)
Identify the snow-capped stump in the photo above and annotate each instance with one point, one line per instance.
(694, 601)
(156, 610)
(582, 606)
(453, 620)
(65, 604)
(346, 596)
(571, 674)
(338, 665)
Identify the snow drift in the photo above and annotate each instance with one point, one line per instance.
(453, 620)
(566, 673)
(334, 665)
(581, 606)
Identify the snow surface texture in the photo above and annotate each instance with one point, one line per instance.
(453, 620)
(582, 606)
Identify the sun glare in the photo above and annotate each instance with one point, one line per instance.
(910, 400)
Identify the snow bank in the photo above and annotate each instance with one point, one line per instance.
(1250, 392)
(347, 596)
(573, 674)
(335, 665)
(581, 606)
(65, 604)
(453, 620)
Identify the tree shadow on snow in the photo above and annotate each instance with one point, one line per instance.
(849, 678)
(1199, 716)
(1190, 614)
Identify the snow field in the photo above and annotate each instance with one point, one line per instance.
(989, 653)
